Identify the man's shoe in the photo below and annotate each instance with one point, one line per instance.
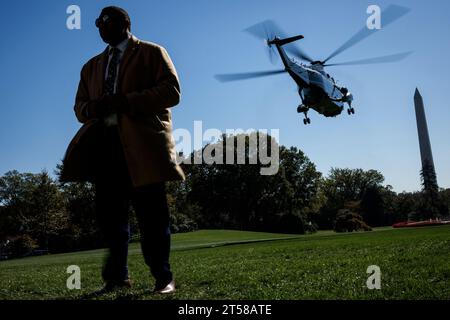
(113, 285)
(169, 288)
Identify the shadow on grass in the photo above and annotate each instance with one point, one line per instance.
(119, 295)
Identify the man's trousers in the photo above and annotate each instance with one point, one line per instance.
(114, 194)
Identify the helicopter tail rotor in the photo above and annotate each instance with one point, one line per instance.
(266, 31)
(270, 33)
(273, 57)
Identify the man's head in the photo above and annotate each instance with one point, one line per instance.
(113, 25)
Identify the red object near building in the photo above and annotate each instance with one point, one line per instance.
(414, 224)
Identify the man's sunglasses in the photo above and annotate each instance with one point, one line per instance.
(102, 21)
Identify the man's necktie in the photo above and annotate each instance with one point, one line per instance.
(111, 119)
(112, 71)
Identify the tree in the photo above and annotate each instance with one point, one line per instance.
(342, 186)
(32, 207)
(406, 206)
(428, 178)
(349, 221)
(237, 195)
(444, 195)
(432, 206)
(20, 246)
(14, 194)
(47, 208)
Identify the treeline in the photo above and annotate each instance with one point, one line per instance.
(40, 213)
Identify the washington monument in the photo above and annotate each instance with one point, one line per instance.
(424, 141)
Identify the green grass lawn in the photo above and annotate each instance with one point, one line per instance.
(220, 264)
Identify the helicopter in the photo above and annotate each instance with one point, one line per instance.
(317, 89)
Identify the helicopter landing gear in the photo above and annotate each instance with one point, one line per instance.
(350, 111)
(304, 109)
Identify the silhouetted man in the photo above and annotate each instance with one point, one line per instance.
(123, 101)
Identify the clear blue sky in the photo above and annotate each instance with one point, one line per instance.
(40, 61)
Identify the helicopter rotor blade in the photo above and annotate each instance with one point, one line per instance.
(268, 30)
(389, 15)
(376, 60)
(270, 52)
(246, 75)
(272, 56)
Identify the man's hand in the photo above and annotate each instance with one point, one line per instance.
(116, 103)
(95, 109)
(106, 105)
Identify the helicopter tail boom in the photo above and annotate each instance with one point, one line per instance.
(279, 43)
(282, 42)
